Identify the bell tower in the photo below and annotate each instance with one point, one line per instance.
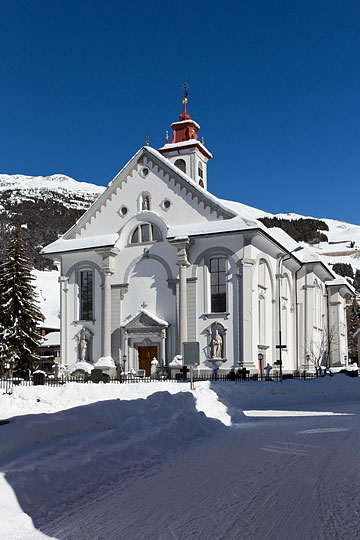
(185, 150)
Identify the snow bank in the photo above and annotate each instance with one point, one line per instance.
(14, 523)
(44, 399)
(55, 462)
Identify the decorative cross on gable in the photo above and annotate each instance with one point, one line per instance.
(144, 305)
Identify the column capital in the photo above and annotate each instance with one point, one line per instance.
(182, 245)
(108, 256)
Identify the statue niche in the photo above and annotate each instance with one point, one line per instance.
(145, 203)
(84, 346)
(216, 345)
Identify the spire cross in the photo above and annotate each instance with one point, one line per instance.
(186, 89)
(147, 138)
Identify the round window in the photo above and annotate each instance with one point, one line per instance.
(124, 210)
(167, 204)
(145, 171)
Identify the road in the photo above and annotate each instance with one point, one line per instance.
(268, 479)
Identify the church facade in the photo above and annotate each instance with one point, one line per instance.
(158, 261)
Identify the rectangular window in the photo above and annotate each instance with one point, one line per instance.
(86, 295)
(218, 284)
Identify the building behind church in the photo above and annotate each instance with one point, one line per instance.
(158, 261)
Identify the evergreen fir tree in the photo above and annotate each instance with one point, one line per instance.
(19, 313)
(357, 281)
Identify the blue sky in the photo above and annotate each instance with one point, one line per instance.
(274, 85)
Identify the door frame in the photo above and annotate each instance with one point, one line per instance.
(151, 346)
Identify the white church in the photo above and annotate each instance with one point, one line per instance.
(158, 261)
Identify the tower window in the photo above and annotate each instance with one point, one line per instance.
(200, 170)
(180, 163)
(218, 284)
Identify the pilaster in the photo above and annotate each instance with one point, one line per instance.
(182, 262)
(245, 277)
(64, 287)
(108, 270)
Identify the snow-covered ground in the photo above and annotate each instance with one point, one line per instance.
(160, 461)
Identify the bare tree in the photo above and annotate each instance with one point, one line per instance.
(318, 351)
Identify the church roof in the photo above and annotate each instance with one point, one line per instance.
(75, 244)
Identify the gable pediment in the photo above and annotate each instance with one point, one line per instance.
(204, 203)
(142, 320)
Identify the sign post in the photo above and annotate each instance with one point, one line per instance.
(191, 358)
(279, 362)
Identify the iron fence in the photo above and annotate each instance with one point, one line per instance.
(7, 384)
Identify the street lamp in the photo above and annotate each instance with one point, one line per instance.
(124, 362)
(281, 346)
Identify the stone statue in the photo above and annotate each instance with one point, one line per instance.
(217, 345)
(145, 203)
(83, 348)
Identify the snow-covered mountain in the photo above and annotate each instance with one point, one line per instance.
(45, 207)
(70, 192)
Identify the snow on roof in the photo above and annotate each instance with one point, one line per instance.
(308, 255)
(339, 282)
(227, 225)
(283, 238)
(51, 339)
(246, 211)
(76, 244)
(130, 318)
(191, 142)
(180, 122)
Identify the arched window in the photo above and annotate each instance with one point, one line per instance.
(180, 163)
(145, 232)
(218, 284)
(86, 295)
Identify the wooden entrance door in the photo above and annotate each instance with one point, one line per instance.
(146, 354)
